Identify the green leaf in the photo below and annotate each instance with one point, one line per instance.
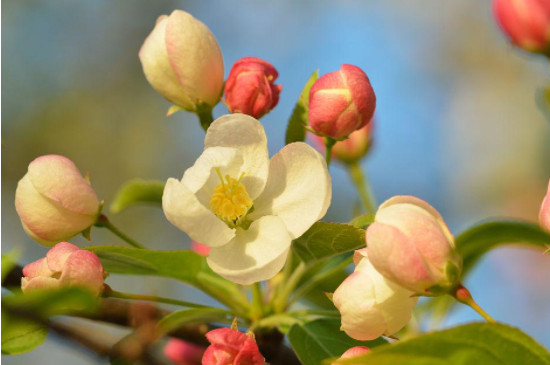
(295, 131)
(476, 241)
(138, 191)
(324, 240)
(8, 263)
(362, 221)
(183, 265)
(20, 335)
(53, 302)
(195, 315)
(476, 343)
(321, 339)
(323, 277)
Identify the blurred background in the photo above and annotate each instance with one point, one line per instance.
(456, 120)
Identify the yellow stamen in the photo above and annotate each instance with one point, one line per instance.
(230, 200)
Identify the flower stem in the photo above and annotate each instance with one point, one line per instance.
(103, 221)
(280, 301)
(109, 293)
(257, 309)
(462, 295)
(363, 187)
(204, 112)
(310, 284)
(329, 143)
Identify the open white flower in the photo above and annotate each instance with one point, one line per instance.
(246, 207)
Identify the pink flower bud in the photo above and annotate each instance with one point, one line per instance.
(231, 347)
(544, 215)
(182, 61)
(370, 304)
(525, 22)
(353, 352)
(349, 150)
(183, 352)
(54, 201)
(341, 102)
(199, 248)
(410, 244)
(250, 88)
(65, 265)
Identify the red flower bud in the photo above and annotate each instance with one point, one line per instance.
(183, 352)
(231, 347)
(544, 214)
(199, 248)
(249, 89)
(341, 102)
(525, 22)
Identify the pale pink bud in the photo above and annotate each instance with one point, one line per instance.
(410, 244)
(544, 215)
(65, 265)
(525, 22)
(353, 352)
(370, 304)
(341, 102)
(250, 87)
(54, 201)
(351, 149)
(183, 352)
(182, 61)
(199, 248)
(231, 347)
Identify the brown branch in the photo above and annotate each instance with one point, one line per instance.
(78, 336)
(116, 311)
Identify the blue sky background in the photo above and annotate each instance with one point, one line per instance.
(456, 119)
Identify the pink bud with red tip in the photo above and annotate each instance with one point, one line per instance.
(231, 347)
(183, 352)
(410, 244)
(341, 102)
(525, 22)
(65, 265)
(54, 201)
(544, 214)
(353, 352)
(250, 87)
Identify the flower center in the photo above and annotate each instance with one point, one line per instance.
(230, 201)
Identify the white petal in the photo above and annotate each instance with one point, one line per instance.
(298, 189)
(183, 209)
(202, 178)
(246, 134)
(253, 255)
(394, 302)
